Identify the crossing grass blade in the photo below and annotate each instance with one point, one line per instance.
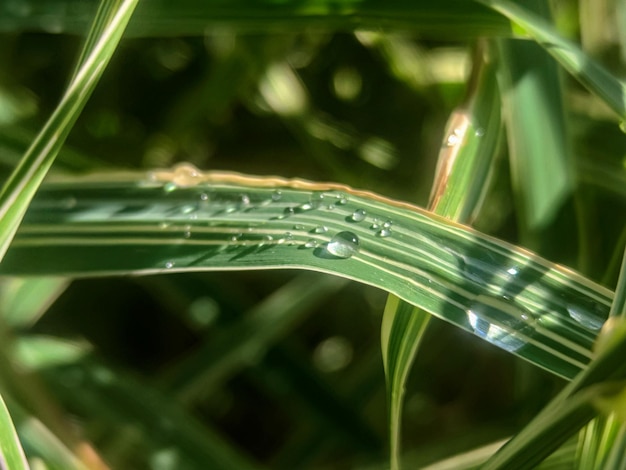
(24, 301)
(469, 147)
(183, 220)
(17, 192)
(11, 452)
(582, 67)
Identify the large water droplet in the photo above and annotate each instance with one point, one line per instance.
(587, 312)
(343, 245)
(358, 215)
(500, 321)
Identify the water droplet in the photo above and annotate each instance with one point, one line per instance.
(311, 243)
(163, 225)
(316, 197)
(307, 206)
(185, 174)
(169, 264)
(375, 224)
(204, 197)
(236, 237)
(479, 132)
(169, 187)
(187, 233)
(321, 229)
(289, 211)
(276, 195)
(454, 138)
(358, 215)
(244, 199)
(384, 233)
(331, 207)
(500, 321)
(341, 199)
(587, 312)
(343, 245)
(387, 224)
(298, 227)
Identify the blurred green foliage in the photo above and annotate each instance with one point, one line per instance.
(365, 108)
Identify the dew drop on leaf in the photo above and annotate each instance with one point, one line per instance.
(358, 215)
(343, 245)
(500, 321)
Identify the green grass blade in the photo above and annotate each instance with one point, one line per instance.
(571, 409)
(11, 453)
(587, 71)
(24, 301)
(470, 142)
(448, 18)
(533, 106)
(21, 186)
(402, 329)
(181, 220)
(618, 307)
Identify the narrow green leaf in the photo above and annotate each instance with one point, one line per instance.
(401, 333)
(582, 67)
(21, 186)
(183, 220)
(533, 106)
(469, 146)
(448, 18)
(23, 301)
(11, 454)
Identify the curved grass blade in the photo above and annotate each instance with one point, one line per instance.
(582, 67)
(601, 383)
(182, 220)
(445, 19)
(11, 453)
(470, 143)
(21, 186)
